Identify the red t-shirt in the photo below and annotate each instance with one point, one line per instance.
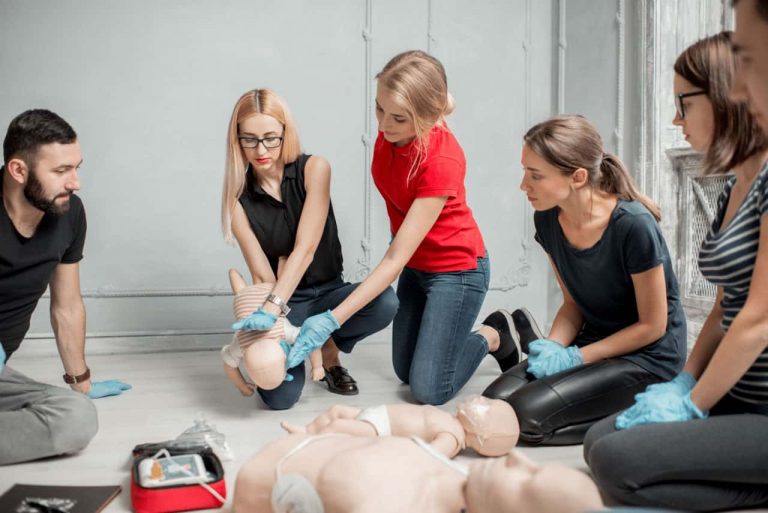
(454, 242)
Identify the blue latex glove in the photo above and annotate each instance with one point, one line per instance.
(313, 334)
(681, 385)
(660, 407)
(546, 357)
(645, 403)
(260, 320)
(2, 356)
(106, 388)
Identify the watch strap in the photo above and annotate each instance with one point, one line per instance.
(278, 302)
(71, 380)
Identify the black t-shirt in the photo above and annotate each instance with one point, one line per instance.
(26, 264)
(275, 224)
(600, 282)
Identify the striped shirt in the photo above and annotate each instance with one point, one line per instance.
(727, 259)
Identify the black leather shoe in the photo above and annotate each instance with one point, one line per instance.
(508, 354)
(340, 382)
(526, 327)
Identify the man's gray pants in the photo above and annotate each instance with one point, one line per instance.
(39, 420)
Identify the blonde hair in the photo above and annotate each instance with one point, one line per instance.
(418, 84)
(258, 101)
(570, 142)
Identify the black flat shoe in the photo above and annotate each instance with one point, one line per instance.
(340, 382)
(508, 354)
(526, 327)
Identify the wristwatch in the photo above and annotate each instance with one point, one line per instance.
(71, 380)
(278, 302)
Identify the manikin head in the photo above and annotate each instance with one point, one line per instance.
(491, 426)
(515, 483)
(263, 357)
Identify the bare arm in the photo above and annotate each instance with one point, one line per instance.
(68, 321)
(746, 338)
(568, 320)
(651, 297)
(418, 221)
(709, 339)
(314, 215)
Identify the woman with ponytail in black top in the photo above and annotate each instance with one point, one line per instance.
(621, 325)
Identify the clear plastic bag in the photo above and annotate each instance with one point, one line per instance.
(204, 432)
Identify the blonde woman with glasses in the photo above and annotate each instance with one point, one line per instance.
(276, 204)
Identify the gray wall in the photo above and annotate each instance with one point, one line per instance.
(149, 86)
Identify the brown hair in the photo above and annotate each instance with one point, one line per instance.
(570, 142)
(709, 65)
(419, 85)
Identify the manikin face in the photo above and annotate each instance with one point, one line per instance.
(261, 126)
(514, 482)
(394, 121)
(53, 178)
(750, 41)
(543, 183)
(699, 123)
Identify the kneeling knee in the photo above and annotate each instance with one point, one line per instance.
(75, 423)
(385, 306)
(428, 395)
(607, 463)
(279, 402)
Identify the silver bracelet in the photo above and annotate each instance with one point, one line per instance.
(278, 302)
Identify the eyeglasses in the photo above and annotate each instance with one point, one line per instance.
(268, 142)
(680, 106)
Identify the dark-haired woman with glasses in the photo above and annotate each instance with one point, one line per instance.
(700, 441)
(276, 204)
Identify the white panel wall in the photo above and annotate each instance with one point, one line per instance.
(149, 86)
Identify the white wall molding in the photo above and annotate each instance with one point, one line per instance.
(621, 78)
(562, 47)
(366, 245)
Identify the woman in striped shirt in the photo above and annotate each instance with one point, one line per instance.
(703, 444)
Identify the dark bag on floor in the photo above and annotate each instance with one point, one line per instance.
(160, 484)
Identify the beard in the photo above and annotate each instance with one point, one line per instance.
(35, 194)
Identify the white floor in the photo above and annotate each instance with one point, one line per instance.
(171, 389)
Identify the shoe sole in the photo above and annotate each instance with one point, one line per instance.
(526, 328)
(512, 331)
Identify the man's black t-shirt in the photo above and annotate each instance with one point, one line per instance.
(26, 264)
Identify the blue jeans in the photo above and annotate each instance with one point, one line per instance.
(310, 301)
(433, 349)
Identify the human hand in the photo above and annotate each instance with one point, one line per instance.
(101, 389)
(546, 357)
(318, 373)
(260, 320)
(313, 334)
(680, 385)
(660, 407)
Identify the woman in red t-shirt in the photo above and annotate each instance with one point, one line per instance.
(437, 250)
